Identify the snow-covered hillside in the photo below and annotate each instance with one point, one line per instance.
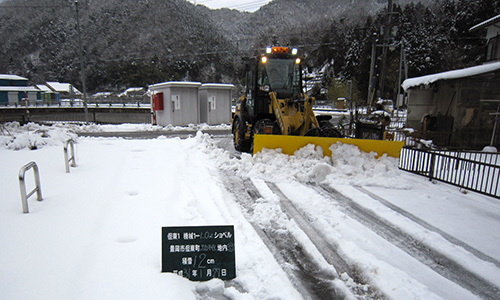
(306, 227)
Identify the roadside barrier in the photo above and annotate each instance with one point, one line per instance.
(22, 185)
(471, 170)
(69, 160)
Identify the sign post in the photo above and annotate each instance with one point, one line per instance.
(199, 253)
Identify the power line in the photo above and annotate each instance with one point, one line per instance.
(207, 53)
(34, 6)
(203, 1)
(247, 5)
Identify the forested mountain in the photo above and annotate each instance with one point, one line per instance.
(126, 42)
(139, 42)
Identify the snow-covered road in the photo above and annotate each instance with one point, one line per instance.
(306, 227)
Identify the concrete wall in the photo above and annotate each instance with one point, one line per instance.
(76, 114)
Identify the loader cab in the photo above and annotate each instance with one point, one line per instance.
(278, 70)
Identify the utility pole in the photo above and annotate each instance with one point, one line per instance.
(371, 82)
(386, 39)
(376, 85)
(82, 65)
(397, 91)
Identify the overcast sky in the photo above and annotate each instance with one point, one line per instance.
(246, 5)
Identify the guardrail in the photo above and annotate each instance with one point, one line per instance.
(102, 115)
(119, 104)
(475, 171)
(22, 185)
(69, 160)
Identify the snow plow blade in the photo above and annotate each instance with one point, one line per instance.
(289, 144)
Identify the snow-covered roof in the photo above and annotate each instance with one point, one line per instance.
(11, 77)
(43, 88)
(455, 74)
(131, 90)
(62, 87)
(485, 23)
(18, 89)
(102, 94)
(216, 86)
(175, 84)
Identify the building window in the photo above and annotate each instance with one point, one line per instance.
(176, 102)
(212, 103)
(493, 49)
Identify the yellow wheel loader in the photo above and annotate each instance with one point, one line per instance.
(274, 102)
(274, 111)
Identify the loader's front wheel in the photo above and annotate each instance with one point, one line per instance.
(240, 144)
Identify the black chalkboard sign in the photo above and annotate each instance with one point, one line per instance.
(199, 253)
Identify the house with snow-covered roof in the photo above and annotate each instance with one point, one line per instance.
(457, 107)
(65, 90)
(133, 92)
(48, 95)
(492, 28)
(14, 88)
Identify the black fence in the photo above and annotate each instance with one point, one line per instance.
(475, 171)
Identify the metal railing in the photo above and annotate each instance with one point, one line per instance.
(128, 102)
(475, 171)
(22, 185)
(69, 160)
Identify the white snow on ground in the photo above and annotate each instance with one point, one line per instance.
(146, 127)
(97, 233)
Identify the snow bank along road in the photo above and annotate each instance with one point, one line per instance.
(315, 283)
(306, 227)
(430, 251)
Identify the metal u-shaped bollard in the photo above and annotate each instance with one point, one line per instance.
(69, 160)
(22, 185)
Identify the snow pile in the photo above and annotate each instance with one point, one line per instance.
(347, 165)
(117, 128)
(354, 167)
(149, 127)
(34, 136)
(490, 149)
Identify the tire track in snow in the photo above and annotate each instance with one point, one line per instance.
(430, 227)
(301, 270)
(327, 250)
(426, 255)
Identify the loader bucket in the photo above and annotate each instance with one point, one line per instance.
(289, 144)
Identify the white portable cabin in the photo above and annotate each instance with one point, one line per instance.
(175, 103)
(215, 103)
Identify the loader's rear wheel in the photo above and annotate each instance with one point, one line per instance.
(315, 131)
(331, 132)
(327, 130)
(240, 144)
